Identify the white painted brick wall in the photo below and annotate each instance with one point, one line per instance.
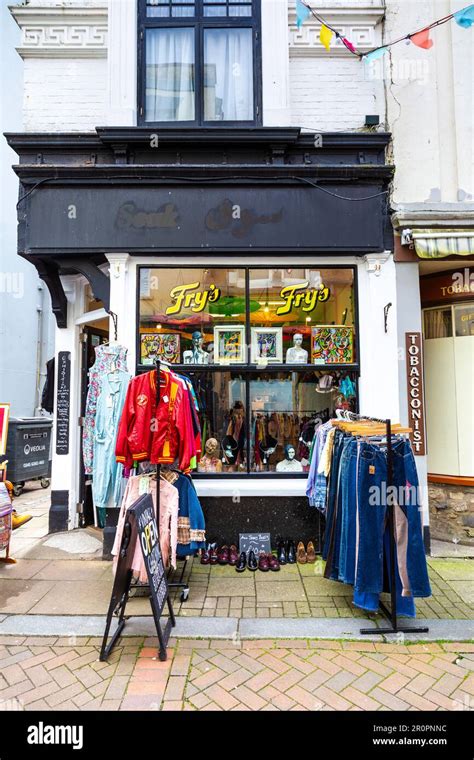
(333, 94)
(64, 95)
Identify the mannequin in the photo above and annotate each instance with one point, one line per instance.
(210, 462)
(196, 355)
(289, 464)
(297, 354)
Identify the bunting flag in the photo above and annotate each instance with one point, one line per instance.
(302, 13)
(421, 38)
(326, 35)
(465, 18)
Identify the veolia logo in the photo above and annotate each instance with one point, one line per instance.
(33, 449)
(41, 734)
(27, 450)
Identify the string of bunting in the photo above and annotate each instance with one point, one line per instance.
(421, 38)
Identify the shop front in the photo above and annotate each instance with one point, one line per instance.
(256, 262)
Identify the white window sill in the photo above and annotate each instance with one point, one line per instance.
(234, 487)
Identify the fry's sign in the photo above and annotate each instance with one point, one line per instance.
(298, 296)
(190, 297)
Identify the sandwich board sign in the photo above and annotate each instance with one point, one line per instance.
(140, 525)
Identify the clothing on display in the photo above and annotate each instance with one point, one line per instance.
(106, 471)
(160, 433)
(107, 359)
(168, 522)
(348, 482)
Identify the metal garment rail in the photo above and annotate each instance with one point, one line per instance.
(182, 584)
(391, 614)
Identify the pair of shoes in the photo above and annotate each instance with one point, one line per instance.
(228, 555)
(286, 551)
(209, 554)
(250, 562)
(306, 555)
(19, 520)
(268, 562)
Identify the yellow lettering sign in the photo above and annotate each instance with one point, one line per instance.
(299, 297)
(189, 297)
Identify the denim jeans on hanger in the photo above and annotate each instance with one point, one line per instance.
(331, 511)
(370, 602)
(348, 490)
(334, 554)
(409, 521)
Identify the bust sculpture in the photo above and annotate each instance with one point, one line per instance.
(297, 354)
(289, 464)
(196, 355)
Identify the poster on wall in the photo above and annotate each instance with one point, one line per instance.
(163, 346)
(332, 344)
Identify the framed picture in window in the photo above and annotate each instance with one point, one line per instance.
(163, 346)
(229, 344)
(267, 345)
(332, 344)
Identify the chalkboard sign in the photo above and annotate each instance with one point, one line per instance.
(140, 525)
(147, 529)
(63, 403)
(256, 542)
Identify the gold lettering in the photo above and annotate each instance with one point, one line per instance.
(184, 298)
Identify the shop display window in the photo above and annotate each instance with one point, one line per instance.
(272, 353)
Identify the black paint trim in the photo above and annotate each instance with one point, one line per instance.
(48, 272)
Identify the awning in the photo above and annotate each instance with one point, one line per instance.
(437, 244)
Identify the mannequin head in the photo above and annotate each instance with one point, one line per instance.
(290, 452)
(197, 339)
(212, 447)
(297, 340)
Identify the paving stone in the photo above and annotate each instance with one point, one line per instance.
(290, 591)
(222, 587)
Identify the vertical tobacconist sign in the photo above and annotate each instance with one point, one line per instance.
(416, 407)
(63, 402)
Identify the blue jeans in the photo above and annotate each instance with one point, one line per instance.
(331, 513)
(372, 496)
(347, 554)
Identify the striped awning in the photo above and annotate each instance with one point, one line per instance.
(437, 244)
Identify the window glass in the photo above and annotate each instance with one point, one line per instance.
(302, 316)
(228, 75)
(438, 323)
(170, 85)
(286, 408)
(223, 402)
(226, 8)
(193, 316)
(464, 320)
(167, 8)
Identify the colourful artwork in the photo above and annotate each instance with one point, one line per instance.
(229, 344)
(163, 346)
(332, 344)
(267, 344)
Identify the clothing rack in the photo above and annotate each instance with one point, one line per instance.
(391, 614)
(182, 584)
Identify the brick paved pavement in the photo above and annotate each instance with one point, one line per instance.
(65, 674)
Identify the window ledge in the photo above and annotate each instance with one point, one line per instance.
(242, 486)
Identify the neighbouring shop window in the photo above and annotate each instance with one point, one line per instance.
(271, 353)
(464, 320)
(438, 323)
(199, 62)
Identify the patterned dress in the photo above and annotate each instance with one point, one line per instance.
(106, 358)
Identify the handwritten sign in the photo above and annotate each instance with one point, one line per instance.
(256, 542)
(140, 525)
(63, 403)
(147, 532)
(416, 410)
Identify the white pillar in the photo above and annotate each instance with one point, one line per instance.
(65, 467)
(123, 294)
(122, 63)
(275, 63)
(379, 383)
